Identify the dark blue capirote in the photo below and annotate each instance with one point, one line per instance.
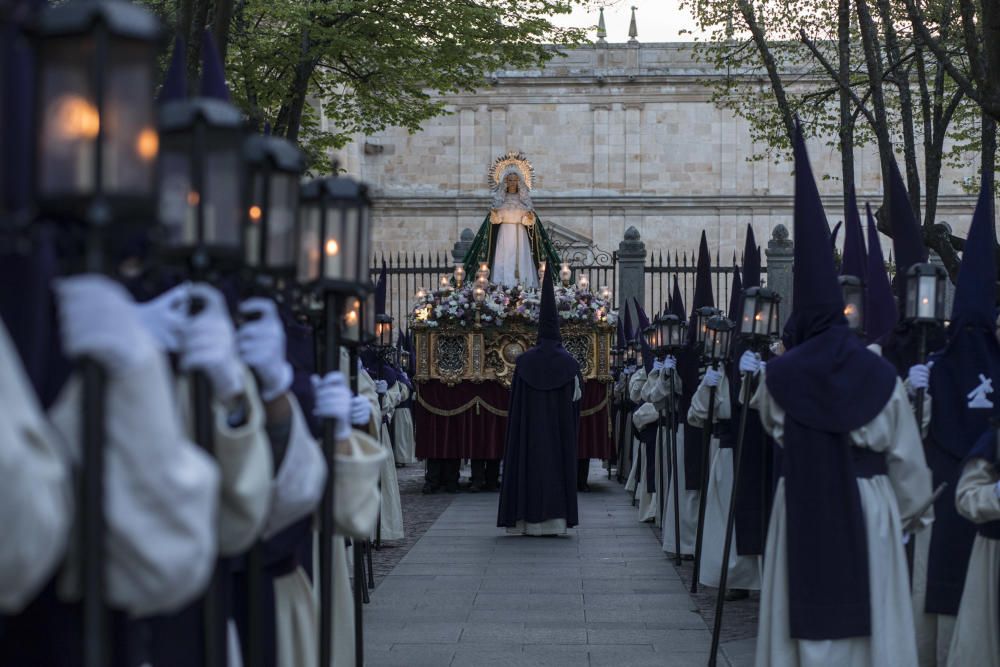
(828, 384)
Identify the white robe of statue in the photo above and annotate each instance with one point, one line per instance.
(512, 260)
(744, 571)
(888, 502)
(976, 639)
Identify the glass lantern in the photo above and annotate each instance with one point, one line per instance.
(335, 236)
(459, 276)
(483, 271)
(274, 167)
(718, 335)
(760, 315)
(702, 316)
(651, 336)
(479, 294)
(617, 355)
(350, 325)
(631, 353)
(97, 144)
(421, 294)
(541, 270)
(853, 290)
(201, 181)
(444, 284)
(670, 334)
(605, 293)
(565, 274)
(583, 283)
(925, 294)
(383, 330)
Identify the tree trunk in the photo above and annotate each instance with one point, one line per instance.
(846, 118)
(989, 153)
(220, 26)
(869, 41)
(902, 77)
(198, 22)
(299, 89)
(760, 41)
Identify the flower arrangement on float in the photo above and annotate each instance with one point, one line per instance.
(488, 304)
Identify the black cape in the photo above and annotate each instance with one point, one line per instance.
(539, 471)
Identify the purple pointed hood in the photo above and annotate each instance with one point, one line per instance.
(854, 258)
(880, 315)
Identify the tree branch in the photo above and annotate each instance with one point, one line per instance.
(836, 77)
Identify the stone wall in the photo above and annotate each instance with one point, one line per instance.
(620, 136)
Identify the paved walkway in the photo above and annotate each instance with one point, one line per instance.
(467, 594)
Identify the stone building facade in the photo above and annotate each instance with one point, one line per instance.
(620, 135)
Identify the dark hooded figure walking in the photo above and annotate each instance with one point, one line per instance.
(538, 492)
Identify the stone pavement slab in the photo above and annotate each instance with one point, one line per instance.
(468, 594)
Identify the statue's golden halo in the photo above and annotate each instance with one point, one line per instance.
(511, 158)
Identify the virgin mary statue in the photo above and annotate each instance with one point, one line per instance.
(511, 240)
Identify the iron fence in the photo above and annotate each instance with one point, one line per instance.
(662, 267)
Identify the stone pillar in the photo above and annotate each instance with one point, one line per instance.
(462, 245)
(631, 268)
(780, 253)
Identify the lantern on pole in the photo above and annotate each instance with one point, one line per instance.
(718, 336)
(760, 319)
(670, 331)
(701, 317)
(383, 331)
(853, 289)
(925, 294)
(96, 144)
(271, 204)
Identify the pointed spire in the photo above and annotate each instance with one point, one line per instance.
(854, 261)
(633, 31)
(175, 81)
(975, 290)
(816, 295)
(602, 30)
(213, 73)
(880, 313)
(548, 317)
(751, 260)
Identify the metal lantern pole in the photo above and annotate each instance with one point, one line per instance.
(704, 316)
(758, 325)
(924, 309)
(671, 335)
(81, 51)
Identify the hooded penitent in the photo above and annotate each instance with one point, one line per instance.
(901, 347)
(828, 384)
(880, 315)
(963, 380)
(756, 465)
(647, 434)
(539, 479)
(727, 428)
(687, 367)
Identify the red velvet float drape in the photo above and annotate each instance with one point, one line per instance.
(463, 421)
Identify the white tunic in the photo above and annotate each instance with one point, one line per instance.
(637, 476)
(976, 639)
(744, 571)
(404, 446)
(36, 496)
(392, 508)
(161, 492)
(888, 502)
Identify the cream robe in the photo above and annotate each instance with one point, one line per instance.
(404, 448)
(243, 454)
(36, 496)
(656, 390)
(637, 474)
(161, 492)
(976, 639)
(888, 502)
(744, 571)
(392, 507)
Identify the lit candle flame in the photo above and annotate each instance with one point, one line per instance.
(255, 213)
(147, 144)
(76, 118)
(332, 247)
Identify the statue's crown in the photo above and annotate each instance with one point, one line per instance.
(508, 161)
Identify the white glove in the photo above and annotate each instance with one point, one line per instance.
(333, 401)
(713, 377)
(261, 343)
(919, 376)
(657, 365)
(209, 344)
(361, 411)
(670, 363)
(750, 363)
(97, 319)
(166, 316)
(381, 386)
